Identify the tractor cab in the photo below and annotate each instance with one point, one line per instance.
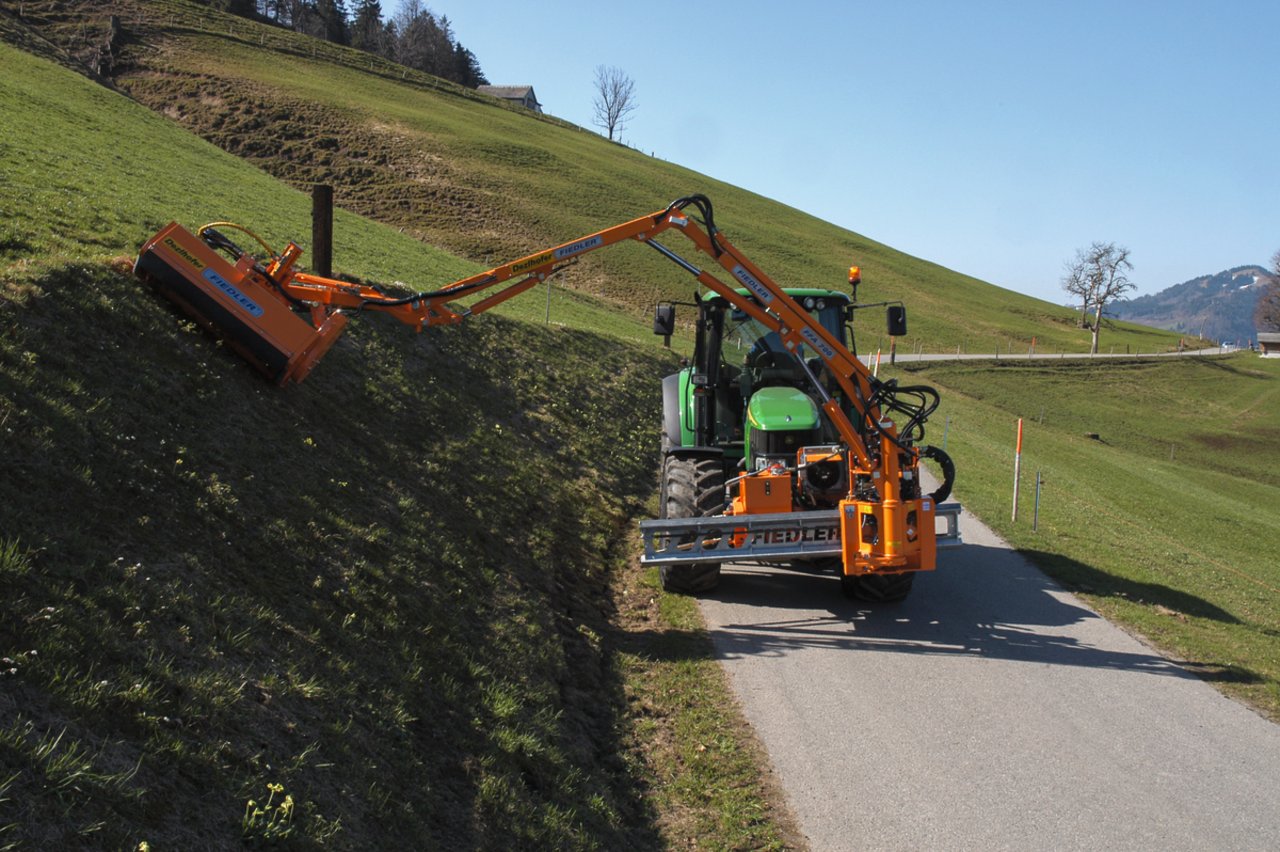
(745, 393)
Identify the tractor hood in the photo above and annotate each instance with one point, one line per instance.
(781, 409)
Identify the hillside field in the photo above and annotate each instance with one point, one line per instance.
(403, 597)
(383, 597)
(491, 183)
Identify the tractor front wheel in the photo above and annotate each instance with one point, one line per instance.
(692, 487)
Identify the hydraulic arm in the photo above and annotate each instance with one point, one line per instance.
(283, 321)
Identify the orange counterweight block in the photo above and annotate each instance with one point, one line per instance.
(888, 537)
(763, 492)
(238, 303)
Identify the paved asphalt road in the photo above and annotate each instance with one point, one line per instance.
(991, 710)
(869, 358)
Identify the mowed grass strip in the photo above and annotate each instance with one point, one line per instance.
(708, 774)
(1159, 494)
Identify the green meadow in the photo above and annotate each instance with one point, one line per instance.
(400, 604)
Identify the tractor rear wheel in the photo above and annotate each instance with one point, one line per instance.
(878, 588)
(692, 487)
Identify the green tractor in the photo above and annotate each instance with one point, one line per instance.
(744, 404)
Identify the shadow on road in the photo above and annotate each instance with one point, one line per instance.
(1086, 578)
(983, 602)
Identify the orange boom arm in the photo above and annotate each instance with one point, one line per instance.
(283, 321)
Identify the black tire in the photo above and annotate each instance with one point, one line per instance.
(878, 588)
(692, 487)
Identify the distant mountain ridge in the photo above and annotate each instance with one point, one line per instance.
(1219, 307)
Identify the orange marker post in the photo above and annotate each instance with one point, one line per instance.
(1017, 469)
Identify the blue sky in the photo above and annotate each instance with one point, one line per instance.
(994, 138)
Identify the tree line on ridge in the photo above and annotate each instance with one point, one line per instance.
(414, 37)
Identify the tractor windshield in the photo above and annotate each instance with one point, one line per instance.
(751, 357)
(749, 345)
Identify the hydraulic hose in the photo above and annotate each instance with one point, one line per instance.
(948, 472)
(218, 241)
(393, 301)
(704, 207)
(887, 396)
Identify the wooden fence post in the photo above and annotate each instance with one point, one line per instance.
(322, 230)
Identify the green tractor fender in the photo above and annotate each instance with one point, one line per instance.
(675, 410)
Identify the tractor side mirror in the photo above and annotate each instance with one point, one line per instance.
(896, 320)
(664, 321)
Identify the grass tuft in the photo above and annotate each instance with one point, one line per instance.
(14, 558)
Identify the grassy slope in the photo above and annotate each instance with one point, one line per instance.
(384, 592)
(86, 173)
(1166, 521)
(492, 183)
(119, 453)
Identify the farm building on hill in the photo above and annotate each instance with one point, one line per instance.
(522, 95)
(1269, 344)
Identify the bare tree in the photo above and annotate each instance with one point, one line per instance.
(1266, 314)
(615, 98)
(1097, 276)
(1075, 280)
